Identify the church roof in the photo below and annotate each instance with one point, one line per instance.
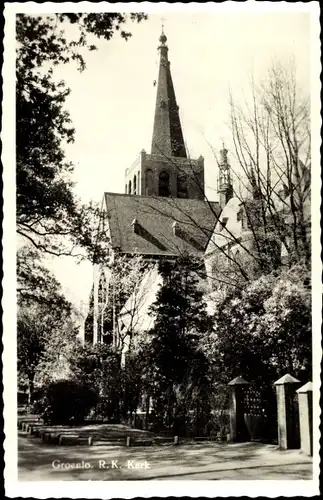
(228, 228)
(159, 226)
(167, 134)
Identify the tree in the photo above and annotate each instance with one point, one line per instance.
(271, 143)
(36, 284)
(286, 326)
(61, 341)
(178, 369)
(49, 216)
(119, 388)
(45, 333)
(46, 326)
(98, 366)
(65, 402)
(263, 331)
(118, 299)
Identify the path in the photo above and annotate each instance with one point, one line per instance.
(42, 462)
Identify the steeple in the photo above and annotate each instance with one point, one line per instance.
(167, 134)
(166, 172)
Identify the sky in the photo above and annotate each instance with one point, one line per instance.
(112, 102)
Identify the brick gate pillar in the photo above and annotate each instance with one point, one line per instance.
(238, 429)
(287, 412)
(305, 403)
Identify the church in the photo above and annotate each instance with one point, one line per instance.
(163, 212)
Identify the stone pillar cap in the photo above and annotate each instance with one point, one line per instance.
(286, 379)
(305, 388)
(239, 381)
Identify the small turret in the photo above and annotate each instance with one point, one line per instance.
(225, 188)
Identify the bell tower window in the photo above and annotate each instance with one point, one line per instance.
(164, 184)
(129, 188)
(181, 186)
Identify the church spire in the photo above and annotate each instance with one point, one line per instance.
(167, 134)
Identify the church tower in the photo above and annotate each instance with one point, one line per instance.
(166, 171)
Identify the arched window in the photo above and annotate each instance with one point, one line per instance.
(134, 184)
(139, 190)
(126, 189)
(163, 183)
(181, 186)
(129, 189)
(149, 182)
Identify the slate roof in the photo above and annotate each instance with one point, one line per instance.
(154, 233)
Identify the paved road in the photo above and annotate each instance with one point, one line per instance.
(42, 462)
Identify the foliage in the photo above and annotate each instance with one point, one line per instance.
(43, 343)
(36, 284)
(44, 324)
(285, 326)
(49, 216)
(99, 367)
(43, 38)
(65, 402)
(121, 296)
(263, 331)
(270, 172)
(272, 145)
(133, 383)
(178, 369)
(30, 346)
(60, 345)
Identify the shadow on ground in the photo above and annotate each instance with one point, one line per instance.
(40, 462)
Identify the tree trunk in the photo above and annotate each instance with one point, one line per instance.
(147, 411)
(31, 390)
(197, 427)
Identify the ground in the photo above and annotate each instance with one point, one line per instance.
(209, 460)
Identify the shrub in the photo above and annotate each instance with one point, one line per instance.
(105, 410)
(65, 402)
(218, 423)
